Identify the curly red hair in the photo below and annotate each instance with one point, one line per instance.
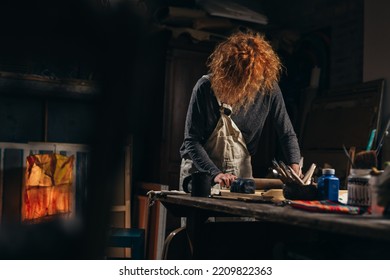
(243, 66)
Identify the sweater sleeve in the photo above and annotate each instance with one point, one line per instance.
(284, 128)
(195, 130)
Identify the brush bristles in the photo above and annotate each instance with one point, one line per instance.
(365, 160)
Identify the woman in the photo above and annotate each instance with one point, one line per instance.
(228, 108)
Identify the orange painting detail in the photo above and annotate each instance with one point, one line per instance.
(48, 185)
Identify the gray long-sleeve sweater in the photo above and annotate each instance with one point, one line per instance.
(203, 115)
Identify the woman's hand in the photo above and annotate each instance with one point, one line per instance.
(225, 179)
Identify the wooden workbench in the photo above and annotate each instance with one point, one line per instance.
(351, 236)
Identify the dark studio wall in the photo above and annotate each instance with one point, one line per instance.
(40, 40)
(74, 70)
(326, 34)
(62, 41)
(376, 55)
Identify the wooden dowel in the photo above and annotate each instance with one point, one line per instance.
(268, 183)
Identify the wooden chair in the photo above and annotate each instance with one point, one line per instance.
(177, 246)
(152, 218)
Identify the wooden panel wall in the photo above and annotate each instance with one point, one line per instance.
(184, 68)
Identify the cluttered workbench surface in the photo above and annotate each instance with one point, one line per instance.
(363, 225)
(290, 219)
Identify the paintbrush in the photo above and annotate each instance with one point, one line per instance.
(371, 140)
(295, 176)
(307, 179)
(369, 158)
(384, 134)
(300, 166)
(286, 170)
(348, 156)
(288, 175)
(365, 160)
(282, 174)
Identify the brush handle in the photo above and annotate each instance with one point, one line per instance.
(384, 134)
(295, 176)
(348, 155)
(371, 140)
(307, 179)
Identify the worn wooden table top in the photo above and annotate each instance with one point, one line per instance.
(366, 225)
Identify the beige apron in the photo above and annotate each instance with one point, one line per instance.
(226, 148)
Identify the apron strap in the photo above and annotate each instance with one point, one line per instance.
(224, 108)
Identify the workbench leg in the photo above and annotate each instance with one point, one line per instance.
(195, 228)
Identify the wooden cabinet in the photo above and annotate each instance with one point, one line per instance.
(183, 69)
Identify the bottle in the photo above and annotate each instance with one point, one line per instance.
(328, 185)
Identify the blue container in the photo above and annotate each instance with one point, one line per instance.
(328, 185)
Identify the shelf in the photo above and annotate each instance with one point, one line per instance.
(15, 84)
